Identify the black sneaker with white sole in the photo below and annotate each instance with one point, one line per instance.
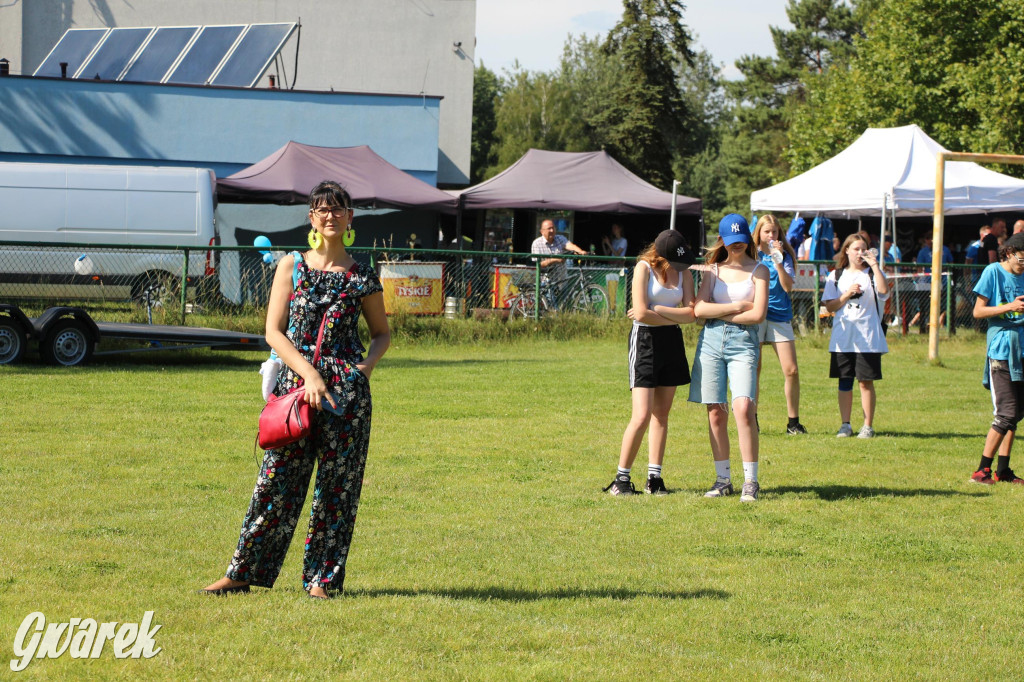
(621, 486)
(655, 486)
(795, 430)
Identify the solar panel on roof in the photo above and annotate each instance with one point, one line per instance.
(74, 48)
(253, 54)
(198, 65)
(160, 53)
(113, 55)
(235, 55)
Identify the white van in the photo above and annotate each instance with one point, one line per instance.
(46, 205)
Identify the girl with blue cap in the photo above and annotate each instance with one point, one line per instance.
(733, 301)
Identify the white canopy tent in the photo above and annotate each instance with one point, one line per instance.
(891, 170)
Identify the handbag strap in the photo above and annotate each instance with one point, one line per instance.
(320, 338)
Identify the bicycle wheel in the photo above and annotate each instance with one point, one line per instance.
(522, 306)
(593, 299)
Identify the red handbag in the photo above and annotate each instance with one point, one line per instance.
(288, 418)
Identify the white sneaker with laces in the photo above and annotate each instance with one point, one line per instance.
(845, 431)
(866, 432)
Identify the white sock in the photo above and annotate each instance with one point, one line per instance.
(750, 471)
(722, 469)
(653, 471)
(623, 474)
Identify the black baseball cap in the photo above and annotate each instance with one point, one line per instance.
(671, 246)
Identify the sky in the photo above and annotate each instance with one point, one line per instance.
(534, 31)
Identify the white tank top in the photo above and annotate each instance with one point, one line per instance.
(731, 292)
(658, 294)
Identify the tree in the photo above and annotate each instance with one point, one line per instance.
(483, 151)
(755, 140)
(953, 68)
(643, 123)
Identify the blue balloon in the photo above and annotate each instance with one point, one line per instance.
(268, 257)
(261, 241)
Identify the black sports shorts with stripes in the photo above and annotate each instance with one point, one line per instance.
(657, 357)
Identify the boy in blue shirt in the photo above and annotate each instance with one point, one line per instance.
(1000, 300)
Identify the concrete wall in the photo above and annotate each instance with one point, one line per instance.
(377, 46)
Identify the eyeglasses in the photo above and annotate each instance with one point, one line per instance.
(1019, 260)
(324, 211)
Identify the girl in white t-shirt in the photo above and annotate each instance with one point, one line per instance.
(856, 292)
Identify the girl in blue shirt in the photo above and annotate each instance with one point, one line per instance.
(1000, 300)
(777, 328)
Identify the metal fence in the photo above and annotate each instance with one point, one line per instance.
(420, 281)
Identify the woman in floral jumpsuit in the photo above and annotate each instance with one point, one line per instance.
(329, 283)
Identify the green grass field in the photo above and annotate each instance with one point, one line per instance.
(485, 548)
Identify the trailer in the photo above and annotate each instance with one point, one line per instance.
(68, 336)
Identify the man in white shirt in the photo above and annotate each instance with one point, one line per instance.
(550, 243)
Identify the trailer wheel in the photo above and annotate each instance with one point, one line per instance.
(68, 343)
(12, 341)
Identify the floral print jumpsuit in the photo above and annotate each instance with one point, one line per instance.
(337, 446)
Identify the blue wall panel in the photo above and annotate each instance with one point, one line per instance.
(221, 128)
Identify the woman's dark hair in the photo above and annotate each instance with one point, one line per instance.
(329, 193)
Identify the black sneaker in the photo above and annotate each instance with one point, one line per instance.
(621, 486)
(796, 430)
(655, 486)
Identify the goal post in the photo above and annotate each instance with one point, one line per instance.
(938, 228)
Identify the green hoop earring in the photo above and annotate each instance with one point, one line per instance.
(349, 238)
(314, 239)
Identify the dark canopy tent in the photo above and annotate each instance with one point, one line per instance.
(288, 175)
(594, 185)
(577, 181)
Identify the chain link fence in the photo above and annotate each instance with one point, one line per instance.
(224, 279)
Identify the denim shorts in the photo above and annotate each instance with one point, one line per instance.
(725, 351)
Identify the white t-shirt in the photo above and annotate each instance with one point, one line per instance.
(856, 327)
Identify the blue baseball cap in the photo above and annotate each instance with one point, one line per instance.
(733, 228)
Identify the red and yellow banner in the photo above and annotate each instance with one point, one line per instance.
(505, 279)
(416, 288)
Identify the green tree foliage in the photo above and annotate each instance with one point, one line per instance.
(754, 141)
(644, 122)
(486, 90)
(533, 112)
(954, 68)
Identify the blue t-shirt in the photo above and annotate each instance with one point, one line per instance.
(925, 255)
(780, 307)
(1000, 287)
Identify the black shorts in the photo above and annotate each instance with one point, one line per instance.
(859, 366)
(657, 357)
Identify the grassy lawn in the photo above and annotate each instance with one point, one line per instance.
(485, 548)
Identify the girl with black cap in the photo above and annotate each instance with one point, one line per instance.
(662, 300)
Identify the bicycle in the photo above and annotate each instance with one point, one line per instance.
(573, 294)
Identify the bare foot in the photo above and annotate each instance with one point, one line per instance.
(225, 583)
(318, 593)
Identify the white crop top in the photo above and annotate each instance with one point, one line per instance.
(731, 292)
(658, 294)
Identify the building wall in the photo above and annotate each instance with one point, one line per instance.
(373, 46)
(226, 129)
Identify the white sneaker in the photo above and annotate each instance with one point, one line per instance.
(866, 432)
(845, 431)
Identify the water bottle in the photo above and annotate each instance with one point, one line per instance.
(775, 252)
